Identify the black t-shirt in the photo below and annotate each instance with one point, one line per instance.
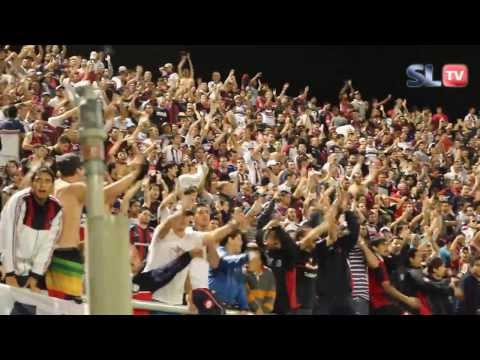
(169, 183)
(471, 302)
(159, 116)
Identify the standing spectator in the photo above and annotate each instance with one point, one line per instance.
(360, 259)
(170, 237)
(141, 234)
(227, 281)
(260, 283)
(36, 136)
(381, 290)
(12, 122)
(333, 290)
(31, 224)
(470, 304)
(281, 256)
(70, 190)
(438, 117)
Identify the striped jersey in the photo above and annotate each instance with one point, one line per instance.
(359, 272)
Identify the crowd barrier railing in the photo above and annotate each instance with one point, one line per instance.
(42, 304)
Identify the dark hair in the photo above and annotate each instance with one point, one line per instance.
(133, 201)
(11, 112)
(412, 252)
(376, 241)
(190, 190)
(64, 139)
(435, 263)
(43, 170)
(230, 236)
(169, 166)
(13, 162)
(263, 257)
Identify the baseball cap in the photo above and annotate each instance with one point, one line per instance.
(122, 69)
(68, 163)
(272, 163)
(385, 228)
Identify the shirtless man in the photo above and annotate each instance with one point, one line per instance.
(65, 276)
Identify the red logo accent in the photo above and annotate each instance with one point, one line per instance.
(455, 75)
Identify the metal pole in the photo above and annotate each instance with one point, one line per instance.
(108, 292)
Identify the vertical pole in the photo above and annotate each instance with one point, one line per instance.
(108, 273)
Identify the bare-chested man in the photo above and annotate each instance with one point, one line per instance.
(65, 276)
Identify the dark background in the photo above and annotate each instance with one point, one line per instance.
(375, 69)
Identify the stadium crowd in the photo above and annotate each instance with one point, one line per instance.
(240, 196)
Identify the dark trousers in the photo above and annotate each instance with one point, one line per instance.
(305, 295)
(333, 305)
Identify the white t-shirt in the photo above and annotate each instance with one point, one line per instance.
(118, 82)
(173, 80)
(163, 251)
(268, 117)
(199, 267)
(240, 117)
(55, 101)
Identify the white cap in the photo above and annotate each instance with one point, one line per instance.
(167, 65)
(122, 68)
(272, 162)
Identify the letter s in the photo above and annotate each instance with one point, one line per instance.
(416, 78)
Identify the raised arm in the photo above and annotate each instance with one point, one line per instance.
(164, 228)
(190, 65)
(217, 235)
(64, 51)
(112, 191)
(371, 259)
(266, 215)
(180, 66)
(348, 241)
(128, 196)
(384, 101)
(27, 142)
(55, 120)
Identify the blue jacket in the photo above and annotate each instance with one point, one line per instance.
(228, 280)
(12, 124)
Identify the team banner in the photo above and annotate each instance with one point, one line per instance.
(15, 301)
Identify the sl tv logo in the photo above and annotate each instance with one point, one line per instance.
(453, 75)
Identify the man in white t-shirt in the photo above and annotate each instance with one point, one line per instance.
(216, 80)
(170, 75)
(121, 77)
(171, 238)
